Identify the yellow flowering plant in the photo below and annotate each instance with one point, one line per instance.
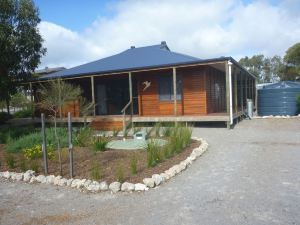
(36, 152)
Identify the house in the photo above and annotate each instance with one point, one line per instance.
(153, 83)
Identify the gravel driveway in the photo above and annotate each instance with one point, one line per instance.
(249, 175)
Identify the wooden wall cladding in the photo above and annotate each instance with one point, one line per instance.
(73, 107)
(216, 90)
(106, 124)
(194, 91)
(149, 103)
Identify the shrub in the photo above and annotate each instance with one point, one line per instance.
(24, 113)
(167, 130)
(148, 132)
(120, 174)
(83, 137)
(36, 152)
(136, 129)
(6, 134)
(133, 164)
(153, 153)
(96, 172)
(10, 161)
(99, 144)
(35, 138)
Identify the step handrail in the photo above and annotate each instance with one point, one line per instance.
(124, 116)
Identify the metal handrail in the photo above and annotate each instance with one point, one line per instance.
(126, 106)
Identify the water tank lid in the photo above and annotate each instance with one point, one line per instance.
(283, 85)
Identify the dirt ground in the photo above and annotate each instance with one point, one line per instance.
(109, 162)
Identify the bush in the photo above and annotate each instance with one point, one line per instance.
(7, 134)
(24, 113)
(157, 129)
(36, 152)
(115, 132)
(120, 174)
(153, 153)
(4, 116)
(10, 161)
(83, 137)
(133, 164)
(35, 138)
(99, 144)
(96, 172)
(23, 164)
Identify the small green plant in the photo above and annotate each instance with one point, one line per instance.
(153, 153)
(157, 129)
(115, 132)
(34, 166)
(24, 113)
(133, 164)
(36, 152)
(148, 132)
(167, 130)
(96, 172)
(99, 144)
(10, 161)
(84, 137)
(120, 174)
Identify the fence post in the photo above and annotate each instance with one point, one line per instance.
(44, 145)
(70, 145)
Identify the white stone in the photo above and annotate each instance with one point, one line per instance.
(28, 174)
(149, 182)
(19, 176)
(170, 172)
(115, 186)
(6, 174)
(87, 183)
(69, 182)
(32, 179)
(75, 182)
(165, 177)
(50, 179)
(12, 175)
(62, 182)
(140, 187)
(157, 179)
(103, 186)
(56, 180)
(41, 179)
(93, 187)
(182, 165)
(127, 187)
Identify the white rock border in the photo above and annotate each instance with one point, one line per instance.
(93, 186)
(277, 117)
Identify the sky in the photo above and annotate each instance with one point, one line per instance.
(77, 32)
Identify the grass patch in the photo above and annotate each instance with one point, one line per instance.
(99, 144)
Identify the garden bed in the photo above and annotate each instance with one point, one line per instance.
(110, 165)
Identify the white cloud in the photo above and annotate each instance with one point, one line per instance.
(200, 28)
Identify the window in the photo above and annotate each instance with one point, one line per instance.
(165, 88)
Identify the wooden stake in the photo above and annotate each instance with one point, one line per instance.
(44, 145)
(70, 145)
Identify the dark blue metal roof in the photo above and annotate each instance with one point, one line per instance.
(133, 58)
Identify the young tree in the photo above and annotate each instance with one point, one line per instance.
(86, 108)
(54, 95)
(20, 44)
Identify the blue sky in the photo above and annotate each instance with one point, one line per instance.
(77, 31)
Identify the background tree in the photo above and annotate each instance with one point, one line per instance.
(20, 44)
(54, 95)
(292, 60)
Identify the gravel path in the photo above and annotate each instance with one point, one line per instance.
(249, 175)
